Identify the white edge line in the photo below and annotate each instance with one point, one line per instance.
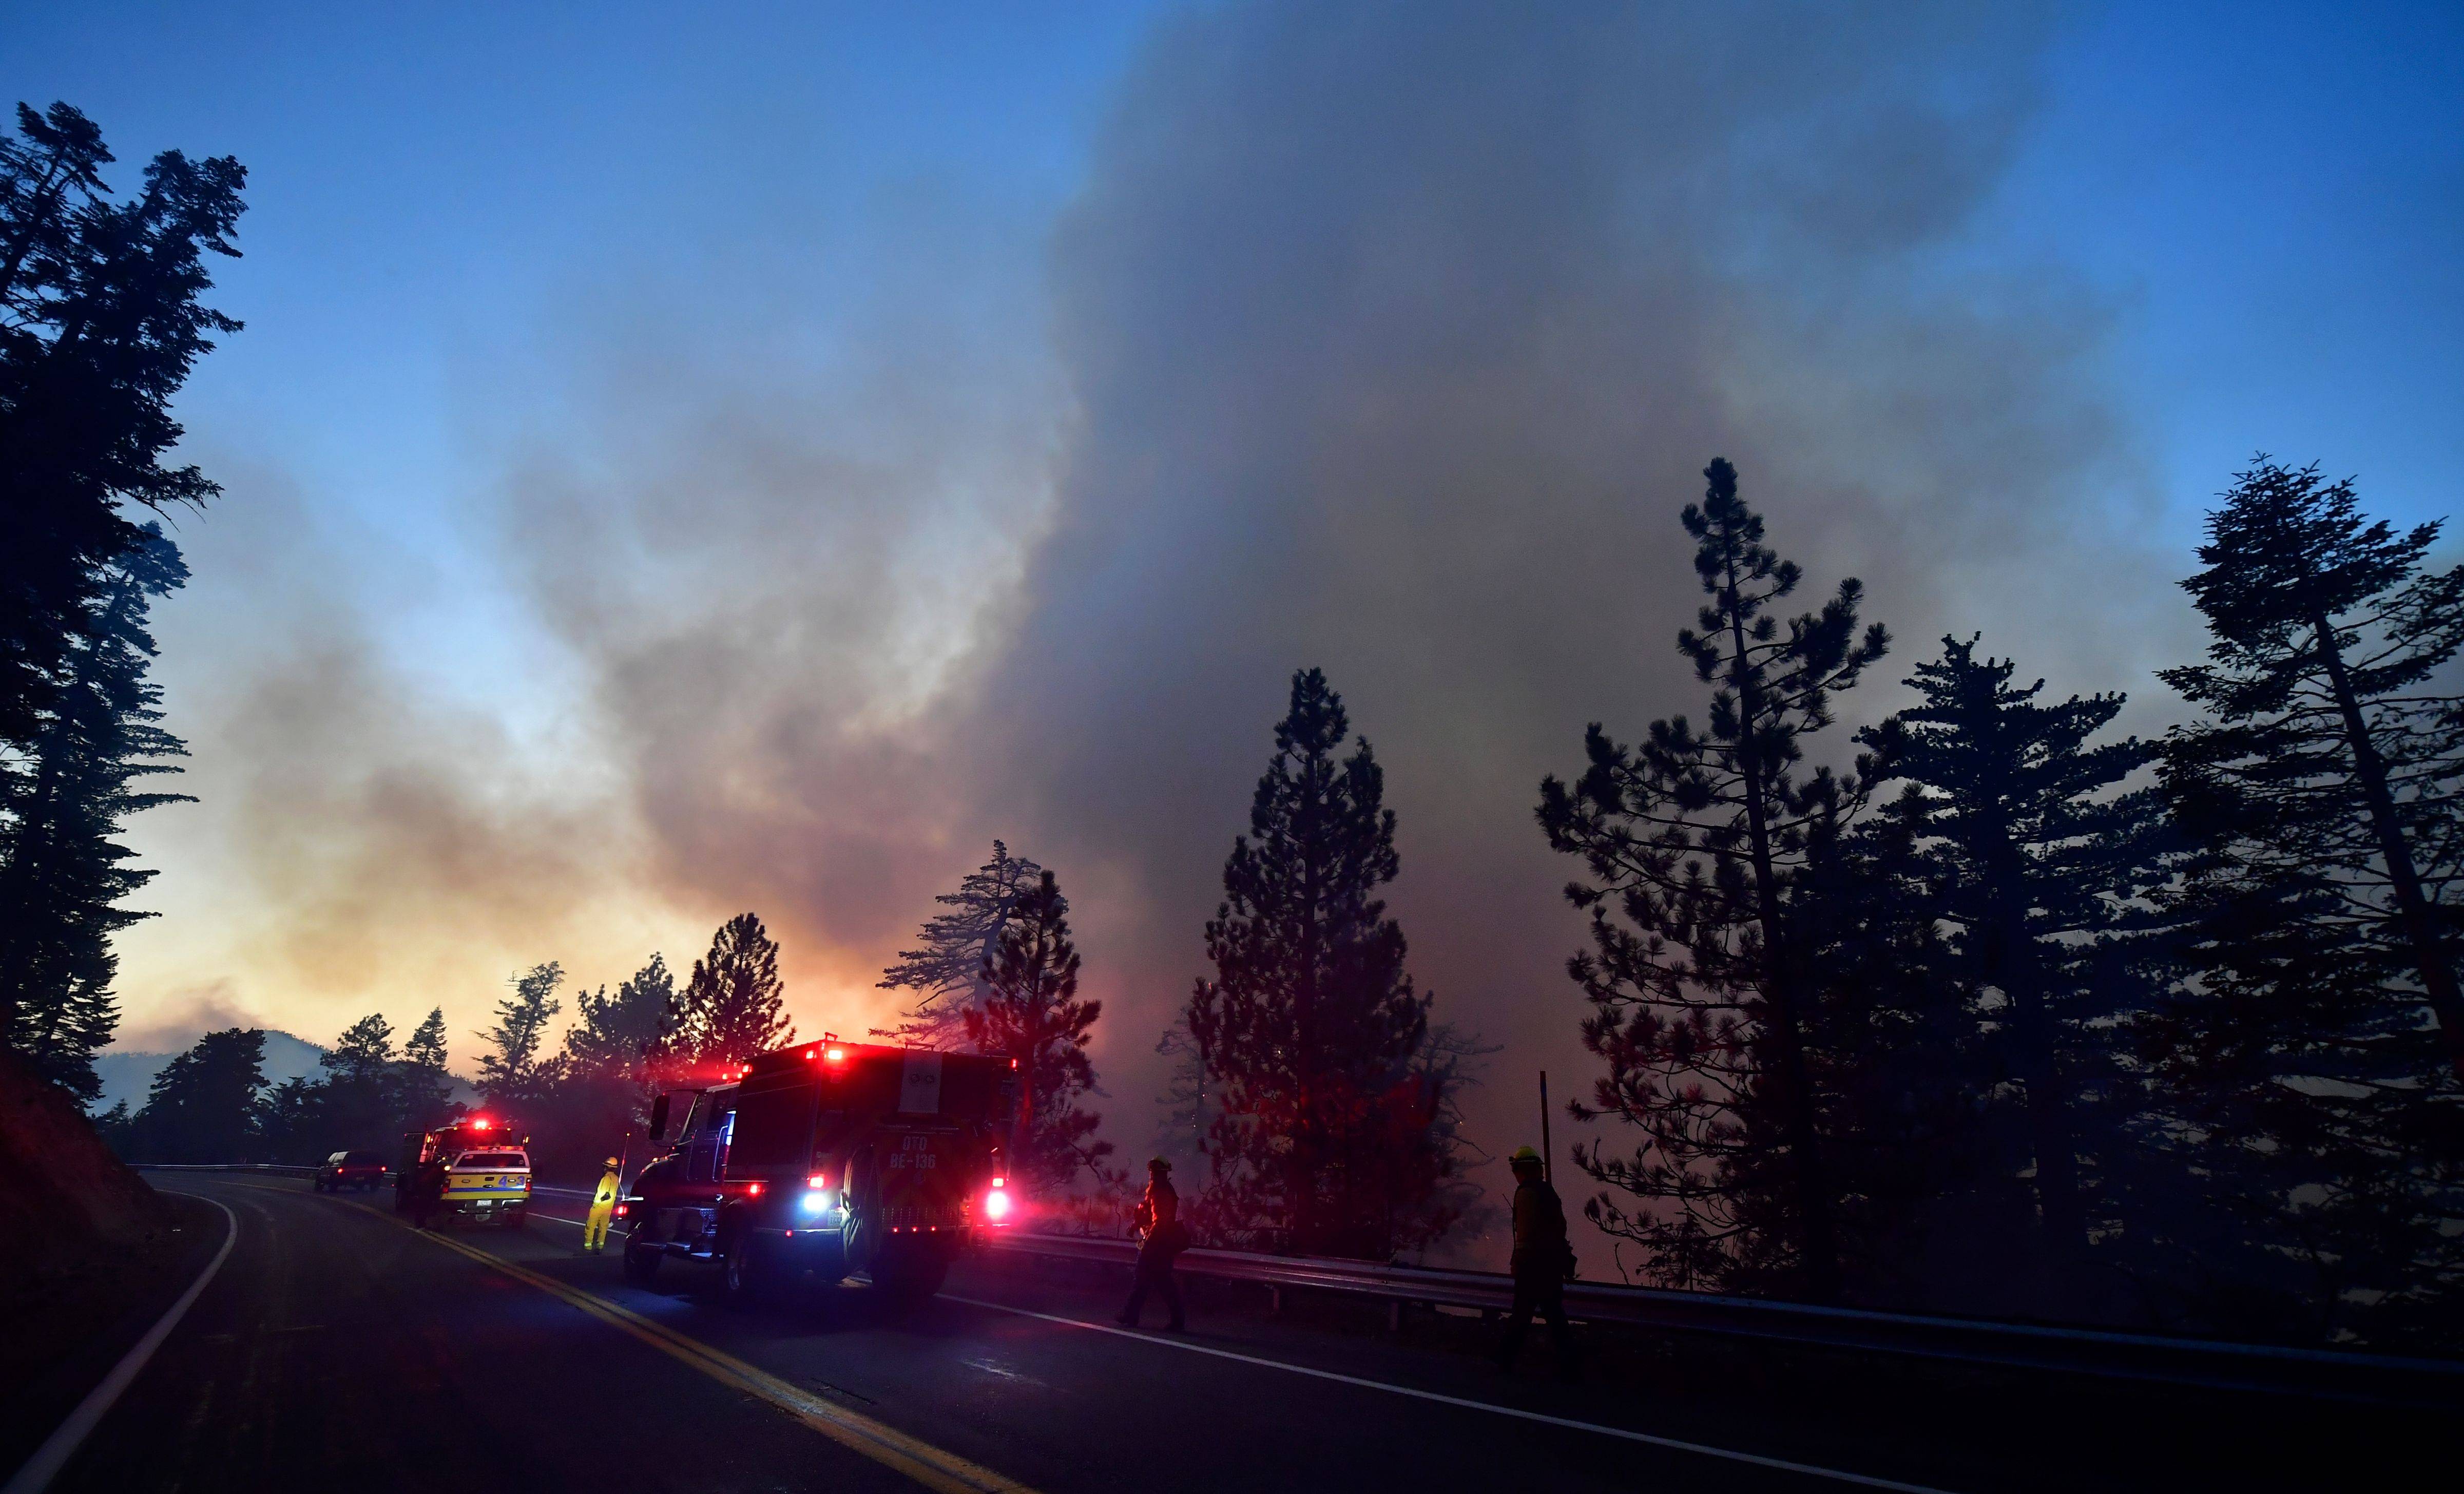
(1465, 1402)
(63, 1443)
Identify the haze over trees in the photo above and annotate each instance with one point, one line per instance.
(100, 321)
(2083, 1027)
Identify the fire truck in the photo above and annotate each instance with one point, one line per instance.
(474, 1168)
(828, 1158)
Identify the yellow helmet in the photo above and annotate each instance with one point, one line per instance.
(1523, 1155)
(613, 1163)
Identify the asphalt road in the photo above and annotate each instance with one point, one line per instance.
(340, 1350)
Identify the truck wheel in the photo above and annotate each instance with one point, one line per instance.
(741, 1277)
(909, 1279)
(641, 1263)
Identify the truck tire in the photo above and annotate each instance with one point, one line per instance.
(741, 1274)
(641, 1262)
(909, 1277)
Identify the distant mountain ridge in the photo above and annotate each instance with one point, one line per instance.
(128, 1075)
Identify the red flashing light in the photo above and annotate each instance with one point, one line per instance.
(1013, 1063)
(811, 1053)
(480, 1125)
(1001, 1182)
(755, 1189)
(817, 1180)
(624, 1209)
(836, 1055)
(997, 1207)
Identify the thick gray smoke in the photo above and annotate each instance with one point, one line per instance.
(1386, 339)
(1399, 335)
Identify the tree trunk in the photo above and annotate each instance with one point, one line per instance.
(1816, 1239)
(2010, 963)
(2420, 923)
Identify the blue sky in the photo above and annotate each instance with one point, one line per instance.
(677, 464)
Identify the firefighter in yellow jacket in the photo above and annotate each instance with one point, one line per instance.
(602, 1208)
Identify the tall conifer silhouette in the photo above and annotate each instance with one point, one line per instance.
(946, 973)
(1031, 1012)
(2333, 744)
(2314, 1036)
(1701, 995)
(2035, 852)
(1311, 1028)
(732, 1006)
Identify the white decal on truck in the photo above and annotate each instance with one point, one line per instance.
(919, 1085)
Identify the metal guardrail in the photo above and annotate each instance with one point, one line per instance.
(2183, 1361)
(277, 1169)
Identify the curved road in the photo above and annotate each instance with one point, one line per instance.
(339, 1349)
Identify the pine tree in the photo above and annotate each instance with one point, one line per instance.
(512, 1071)
(1190, 1103)
(1031, 1013)
(1311, 1027)
(204, 1105)
(2330, 749)
(2311, 1037)
(99, 323)
(363, 1051)
(947, 974)
(1699, 996)
(62, 874)
(98, 326)
(426, 1045)
(731, 1007)
(1892, 1055)
(424, 1092)
(616, 1031)
(2041, 860)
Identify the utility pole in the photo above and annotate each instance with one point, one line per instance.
(1547, 1154)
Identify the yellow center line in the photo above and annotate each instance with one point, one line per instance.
(945, 1472)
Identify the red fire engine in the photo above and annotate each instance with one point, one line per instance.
(831, 1158)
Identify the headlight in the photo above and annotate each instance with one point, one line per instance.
(997, 1207)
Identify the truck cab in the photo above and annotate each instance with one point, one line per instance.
(827, 1158)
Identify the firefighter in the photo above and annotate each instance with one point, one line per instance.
(1543, 1259)
(428, 1198)
(602, 1208)
(1158, 1223)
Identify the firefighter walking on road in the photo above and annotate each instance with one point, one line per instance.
(602, 1208)
(1158, 1222)
(1543, 1259)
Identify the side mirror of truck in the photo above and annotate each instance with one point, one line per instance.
(659, 1118)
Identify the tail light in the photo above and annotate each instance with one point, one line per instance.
(624, 1209)
(754, 1188)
